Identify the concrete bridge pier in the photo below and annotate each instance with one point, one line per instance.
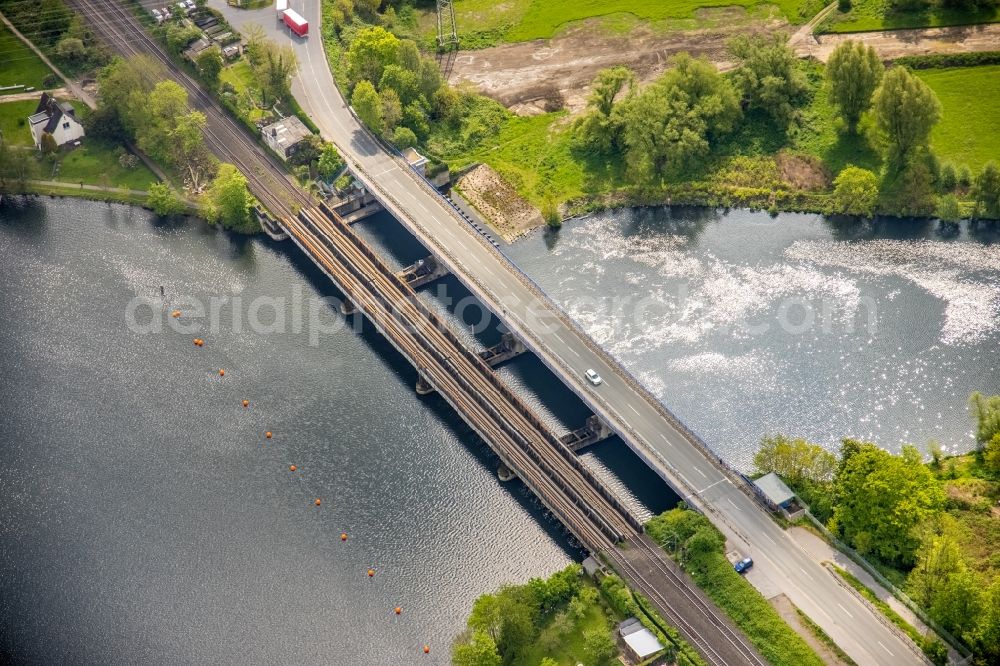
(508, 347)
(347, 306)
(594, 430)
(423, 272)
(423, 386)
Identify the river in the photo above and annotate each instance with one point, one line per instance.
(146, 518)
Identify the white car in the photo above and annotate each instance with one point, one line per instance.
(593, 377)
(157, 15)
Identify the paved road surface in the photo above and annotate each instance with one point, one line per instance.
(780, 564)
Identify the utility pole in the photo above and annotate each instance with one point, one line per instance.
(447, 30)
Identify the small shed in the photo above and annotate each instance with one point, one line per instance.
(779, 495)
(639, 641)
(285, 136)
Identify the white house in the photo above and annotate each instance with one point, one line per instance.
(57, 118)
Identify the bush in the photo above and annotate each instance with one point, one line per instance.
(844, 6)
(948, 178)
(404, 138)
(950, 60)
(855, 191)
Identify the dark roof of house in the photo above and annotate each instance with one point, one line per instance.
(51, 110)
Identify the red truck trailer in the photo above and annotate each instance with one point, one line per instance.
(296, 23)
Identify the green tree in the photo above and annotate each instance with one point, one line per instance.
(47, 144)
(254, 44)
(430, 78)
(671, 123)
(277, 66)
(767, 75)
(908, 191)
(854, 72)
(937, 557)
(948, 209)
(16, 168)
(986, 411)
(210, 65)
(163, 200)
(229, 200)
(124, 88)
(480, 650)
(548, 661)
(959, 602)
(71, 49)
(794, 460)
(371, 51)
(987, 191)
(855, 191)
(949, 177)
(404, 138)
(880, 498)
(986, 641)
(368, 105)
(392, 109)
(905, 110)
(599, 645)
(330, 162)
(406, 83)
(991, 453)
(608, 85)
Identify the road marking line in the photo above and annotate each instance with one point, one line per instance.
(805, 573)
(636, 412)
(845, 610)
(664, 437)
(769, 539)
(730, 500)
(695, 469)
(574, 351)
(706, 488)
(886, 649)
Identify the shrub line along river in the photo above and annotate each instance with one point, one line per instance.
(145, 517)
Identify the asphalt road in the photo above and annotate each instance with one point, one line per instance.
(780, 565)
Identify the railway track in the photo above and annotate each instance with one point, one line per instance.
(580, 502)
(227, 139)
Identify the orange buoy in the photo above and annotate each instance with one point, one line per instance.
(427, 649)
(197, 342)
(291, 468)
(371, 572)
(317, 501)
(246, 403)
(398, 610)
(175, 314)
(268, 434)
(343, 536)
(222, 373)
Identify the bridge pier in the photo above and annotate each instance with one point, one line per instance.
(594, 430)
(423, 386)
(508, 347)
(422, 272)
(347, 306)
(355, 205)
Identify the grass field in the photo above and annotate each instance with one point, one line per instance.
(18, 64)
(969, 131)
(869, 15)
(484, 23)
(14, 122)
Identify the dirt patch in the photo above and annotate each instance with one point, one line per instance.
(786, 609)
(499, 203)
(529, 77)
(892, 44)
(803, 172)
